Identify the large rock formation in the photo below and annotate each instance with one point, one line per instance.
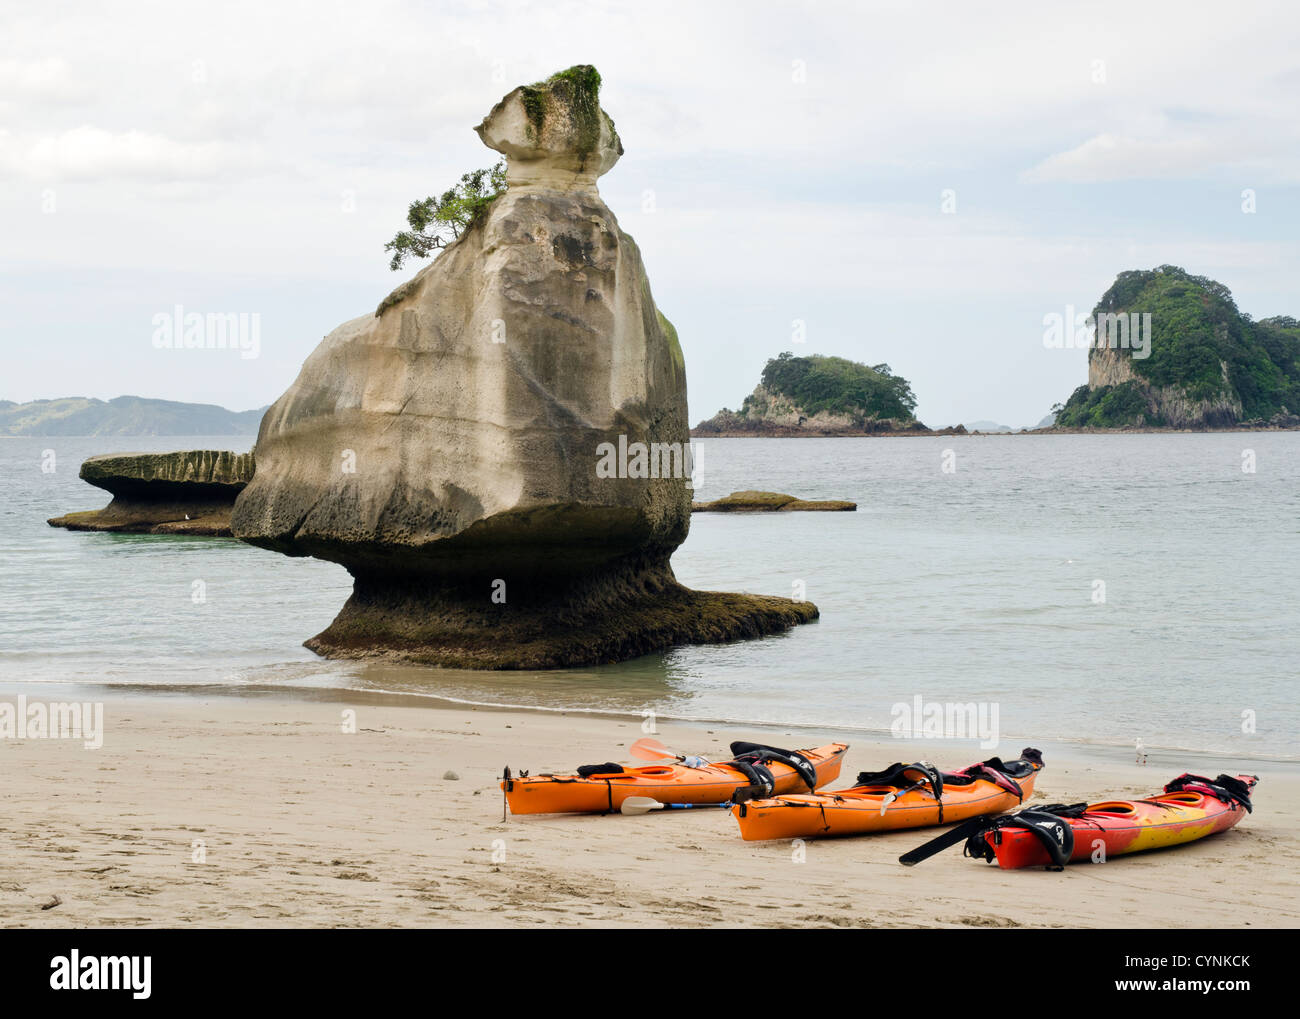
(164, 493)
(450, 449)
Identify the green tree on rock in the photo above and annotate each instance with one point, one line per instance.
(436, 222)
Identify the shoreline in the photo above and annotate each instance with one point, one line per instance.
(1076, 750)
(259, 811)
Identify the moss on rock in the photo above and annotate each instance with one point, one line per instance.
(579, 87)
(674, 344)
(534, 99)
(577, 90)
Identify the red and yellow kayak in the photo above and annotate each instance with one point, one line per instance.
(902, 796)
(1190, 808)
(597, 791)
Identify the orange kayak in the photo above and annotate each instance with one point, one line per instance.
(1190, 808)
(901, 796)
(601, 789)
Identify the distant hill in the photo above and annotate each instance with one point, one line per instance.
(1201, 363)
(986, 426)
(126, 415)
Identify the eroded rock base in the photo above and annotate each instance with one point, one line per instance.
(593, 620)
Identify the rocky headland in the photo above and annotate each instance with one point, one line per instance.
(1171, 351)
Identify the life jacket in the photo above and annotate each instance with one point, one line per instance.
(1225, 788)
(751, 760)
(609, 768)
(1049, 824)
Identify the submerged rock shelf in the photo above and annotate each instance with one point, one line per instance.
(771, 502)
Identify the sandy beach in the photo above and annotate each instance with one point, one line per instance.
(259, 811)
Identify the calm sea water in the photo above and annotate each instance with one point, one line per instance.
(977, 585)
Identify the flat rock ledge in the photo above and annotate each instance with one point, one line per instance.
(188, 493)
(591, 620)
(771, 502)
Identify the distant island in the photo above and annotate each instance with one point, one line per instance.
(1172, 350)
(125, 415)
(819, 395)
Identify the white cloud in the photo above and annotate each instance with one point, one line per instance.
(92, 152)
(1115, 157)
(46, 76)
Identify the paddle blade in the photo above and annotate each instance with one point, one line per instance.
(884, 805)
(949, 838)
(635, 805)
(650, 750)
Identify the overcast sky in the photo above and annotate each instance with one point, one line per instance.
(784, 161)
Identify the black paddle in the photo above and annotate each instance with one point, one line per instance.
(941, 842)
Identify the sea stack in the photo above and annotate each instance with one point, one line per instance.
(453, 449)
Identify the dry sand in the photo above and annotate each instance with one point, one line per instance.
(304, 825)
